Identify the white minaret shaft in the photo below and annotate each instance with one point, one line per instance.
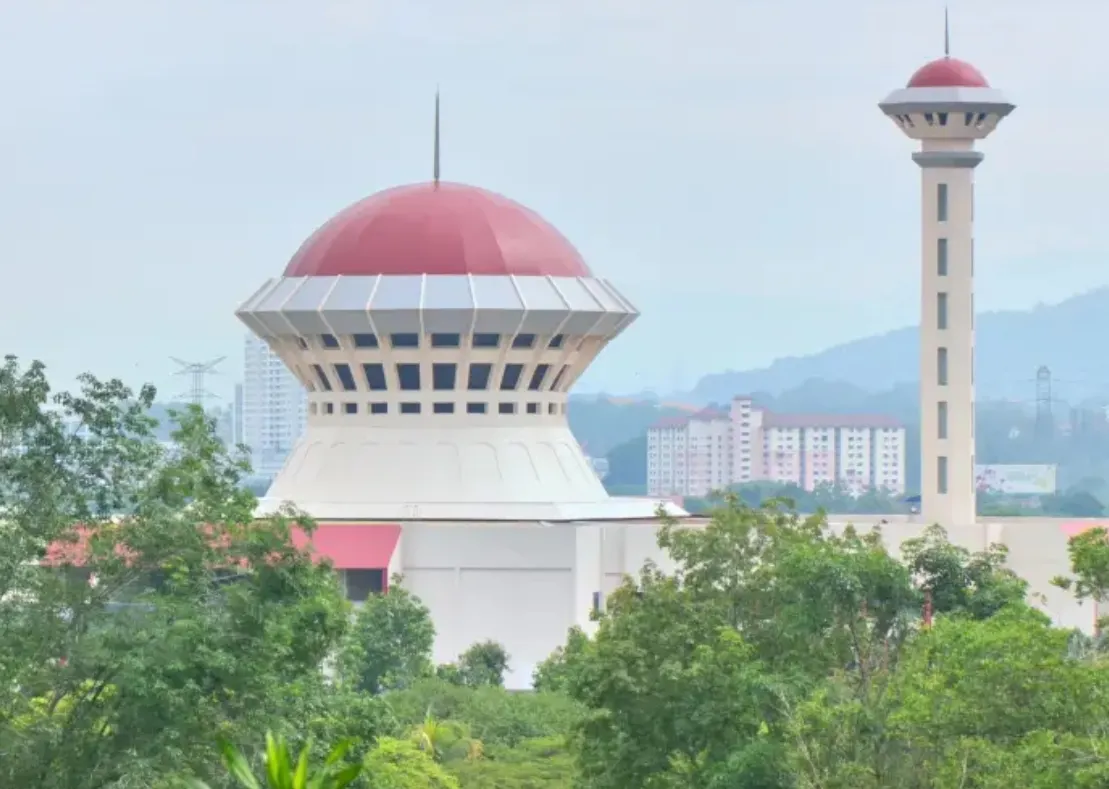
(947, 331)
(947, 106)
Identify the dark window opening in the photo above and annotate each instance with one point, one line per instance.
(379, 408)
(408, 375)
(941, 474)
(375, 376)
(303, 343)
(410, 408)
(556, 341)
(363, 583)
(475, 408)
(941, 202)
(486, 340)
(523, 341)
(943, 118)
(506, 408)
(443, 376)
(329, 408)
(329, 341)
(442, 408)
(350, 408)
(446, 340)
(941, 257)
(941, 310)
(324, 383)
(405, 340)
(365, 341)
(941, 419)
(533, 408)
(511, 378)
(941, 366)
(557, 382)
(552, 408)
(346, 377)
(537, 376)
(479, 375)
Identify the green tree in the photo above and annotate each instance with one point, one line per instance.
(402, 764)
(163, 615)
(1089, 556)
(483, 663)
(552, 674)
(390, 643)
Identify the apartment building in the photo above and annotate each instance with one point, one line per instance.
(274, 407)
(712, 449)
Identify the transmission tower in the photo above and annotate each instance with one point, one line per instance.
(197, 372)
(1045, 421)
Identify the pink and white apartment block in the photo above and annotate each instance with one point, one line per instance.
(712, 449)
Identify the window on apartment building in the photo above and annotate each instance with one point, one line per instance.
(523, 341)
(485, 340)
(446, 340)
(329, 341)
(941, 310)
(324, 382)
(941, 257)
(941, 366)
(538, 376)
(941, 474)
(941, 419)
(365, 340)
(941, 202)
(511, 377)
(375, 376)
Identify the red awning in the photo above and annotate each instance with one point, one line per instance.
(353, 546)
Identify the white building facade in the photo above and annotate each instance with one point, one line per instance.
(274, 407)
(711, 450)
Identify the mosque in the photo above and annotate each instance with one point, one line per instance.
(438, 328)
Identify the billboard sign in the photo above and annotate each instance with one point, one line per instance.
(1015, 480)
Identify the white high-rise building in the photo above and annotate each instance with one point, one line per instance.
(947, 106)
(710, 450)
(274, 407)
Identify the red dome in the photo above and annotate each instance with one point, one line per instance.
(948, 73)
(437, 229)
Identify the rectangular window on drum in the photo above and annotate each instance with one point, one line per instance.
(941, 474)
(941, 257)
(941, 366)
(941, 310)
(941, 419)
(941, 202)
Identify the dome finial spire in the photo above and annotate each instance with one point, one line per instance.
(946, 35)
(435, 162)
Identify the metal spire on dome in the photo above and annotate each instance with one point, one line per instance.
(946, 35)
(435, 163)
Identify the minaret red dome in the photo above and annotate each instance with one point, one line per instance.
(437, 228)
(948, 73)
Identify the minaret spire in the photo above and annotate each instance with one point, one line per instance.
(946, 35)
(435, 163)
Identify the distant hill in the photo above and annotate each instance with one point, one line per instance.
(1067, 337)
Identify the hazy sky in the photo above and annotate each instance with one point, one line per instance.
(723, 161)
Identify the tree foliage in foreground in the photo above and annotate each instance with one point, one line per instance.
(169, 615)
(784, 654)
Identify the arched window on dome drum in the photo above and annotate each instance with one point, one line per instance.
(443, 376)
(478, 377)
(446, 340)
(346, 378)
(375, 376)
(409, 377)
(511, 377)
(322, 377)
(537, 377)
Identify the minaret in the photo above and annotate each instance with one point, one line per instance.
(947, 105)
